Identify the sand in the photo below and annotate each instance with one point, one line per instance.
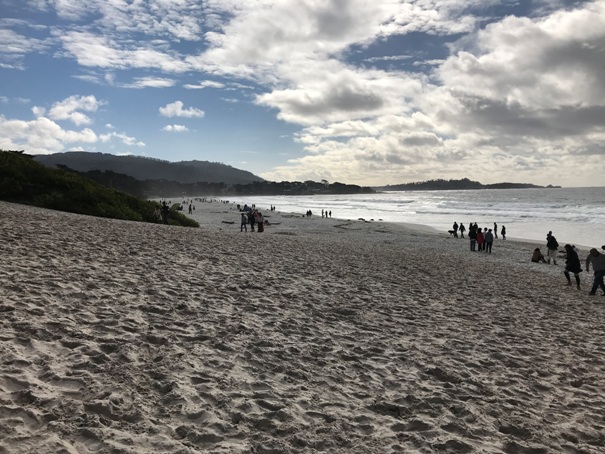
(315, 336)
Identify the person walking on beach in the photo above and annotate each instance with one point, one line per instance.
(572, 265)
(244, 223)
(455, 229)
(489, 240)
(462, 229)
(598, 264)
(495, 230)
(503, 232)
(553, 246)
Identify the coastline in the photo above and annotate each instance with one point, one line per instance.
(227, 208)
(315, 335)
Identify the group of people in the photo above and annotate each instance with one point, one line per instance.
(573, 264)
(480, 239)
(252, 217)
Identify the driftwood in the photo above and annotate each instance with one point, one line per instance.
(228, 222)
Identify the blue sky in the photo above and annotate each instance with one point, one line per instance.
(368, 92)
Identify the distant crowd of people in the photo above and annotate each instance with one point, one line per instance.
(253, 217)
(481, 239)
(324, 213)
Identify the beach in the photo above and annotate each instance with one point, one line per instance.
(317, 335)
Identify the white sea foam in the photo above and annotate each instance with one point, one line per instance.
(574, 215)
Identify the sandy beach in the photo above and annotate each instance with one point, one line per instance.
(317, 335)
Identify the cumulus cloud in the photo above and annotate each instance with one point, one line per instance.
(175, 109)
(175, 128)
(70, 109)
(40, 136)
(524, 93)
(44, 135)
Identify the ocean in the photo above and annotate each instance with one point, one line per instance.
(574, 215)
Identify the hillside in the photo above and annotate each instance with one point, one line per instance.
(464, 183)
(25, 181)
(143, 168)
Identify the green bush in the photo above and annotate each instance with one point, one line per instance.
(22, 180)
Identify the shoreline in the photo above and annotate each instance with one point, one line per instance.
(404, 225)
(338, 336)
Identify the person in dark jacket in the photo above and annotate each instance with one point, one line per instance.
(472, 235)
(552, 247)
(572, 265)
(537, 256)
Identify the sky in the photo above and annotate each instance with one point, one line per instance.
(368, 92)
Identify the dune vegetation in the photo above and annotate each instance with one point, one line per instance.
(25, 181)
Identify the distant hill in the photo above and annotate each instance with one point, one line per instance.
(143, 168)
(465, 183)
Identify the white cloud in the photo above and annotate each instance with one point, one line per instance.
(91, 50)
(40, 136)
(125, 139)
(517, 95)
(175, 109)
(175, 128)
(70, 109)
(204, 84)
(150, 82)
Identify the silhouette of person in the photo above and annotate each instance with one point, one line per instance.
(164, 209)
(572, 265)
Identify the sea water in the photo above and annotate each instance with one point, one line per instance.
(574, 215)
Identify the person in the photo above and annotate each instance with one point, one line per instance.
(251, 220)
(165, 209)
(495, 230)
(480, 240)
(503, 232)
(572, 265)
(244, 223)
(472, 235)
(553, 246)
(598, 264)
(489, 240)
(462, 229)
(455, 229)
(538, 257)
(190, 208)
(260, 222)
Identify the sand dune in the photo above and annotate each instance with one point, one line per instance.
(315, 336)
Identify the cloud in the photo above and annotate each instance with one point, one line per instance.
(204, 84)
(502, 94)
(69, 109)
(175, 109)
(14, 46)
(175, 128)
(149, 82)
(44, 135)
(91, 50)
(124, 138)
(40, 136)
